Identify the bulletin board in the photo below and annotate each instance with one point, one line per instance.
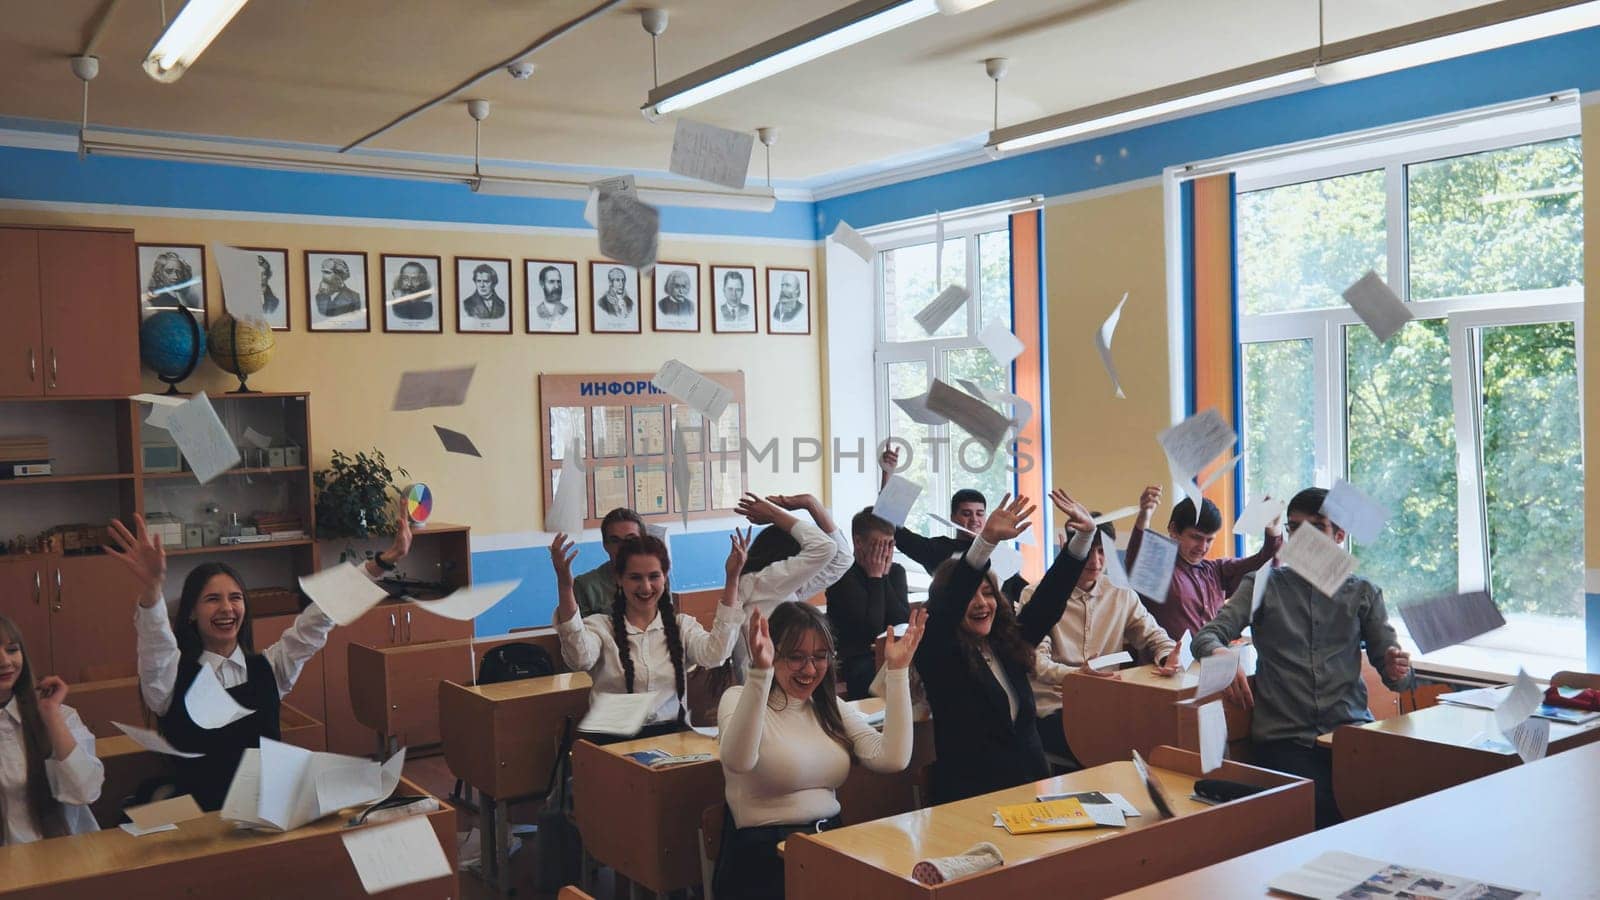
(625, 427)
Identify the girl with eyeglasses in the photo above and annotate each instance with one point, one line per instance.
(788, 741)
(977, 656)
(49, 773)
(644, 645)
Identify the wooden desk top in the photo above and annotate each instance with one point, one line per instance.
(1147, 676)
(683, 743)
(1447, 723)
(115, 746)
(1531, 826)
(897, 843)
(529, 687)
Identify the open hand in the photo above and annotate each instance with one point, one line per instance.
(898, 651)
(1078, 518)
(759, 510)
(401, 545)
(563, 550)
(1009, 519)
(1239, 692)
(760, 640)
(880, 557)
(738, 552)
(143, 555)
(792, 502)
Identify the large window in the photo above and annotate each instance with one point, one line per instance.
(1465, 424)
(910, 274)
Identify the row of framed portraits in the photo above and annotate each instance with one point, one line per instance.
(340, 298)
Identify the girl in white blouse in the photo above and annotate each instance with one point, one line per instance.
(49, 773)
(787, 741)
(793, 559)
(213, 631)
(644, 644)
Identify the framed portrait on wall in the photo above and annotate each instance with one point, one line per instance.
(482, 286)
(677, 297)
(274, 265)
(551, 294)
(614, 288)
(172, 275)
(788, 301)
(733, 290)
(411, 293)
(336, 291)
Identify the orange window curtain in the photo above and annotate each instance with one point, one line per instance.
(1214, 337)
(1026, 324)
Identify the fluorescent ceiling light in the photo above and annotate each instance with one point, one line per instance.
(1249, 81)
(957, 7)
(188, 36)
(852, 25)
(1473, 31)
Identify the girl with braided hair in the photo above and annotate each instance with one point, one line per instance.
(644, 645)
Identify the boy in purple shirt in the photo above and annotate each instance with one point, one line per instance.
(1199, 586)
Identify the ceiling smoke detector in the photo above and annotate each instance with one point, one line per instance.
(521, 71)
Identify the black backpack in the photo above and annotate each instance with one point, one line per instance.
(514, 662)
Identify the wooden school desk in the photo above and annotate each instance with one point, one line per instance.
(394, 690)
(1105, 718)
(1532, 826)
(502, 740)
(1380, 764)
(208, 857)
(873, 861)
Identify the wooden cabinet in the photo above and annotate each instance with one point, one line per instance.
(390, 625)
(307, 693)
(91, 618)
(25, 600)
(71, 311)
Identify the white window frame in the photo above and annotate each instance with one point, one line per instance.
(1463, 315)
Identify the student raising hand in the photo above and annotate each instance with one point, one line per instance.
(761, 511)
(1078, 518)
(141, 552)
(760, 639)
(888, 464)
(562, 552)
(738, 552)
(1009, 519)
(1148, 501)
(898, 651)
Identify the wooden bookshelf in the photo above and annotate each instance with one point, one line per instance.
(241, 548)
(68, 479)
(232, 473)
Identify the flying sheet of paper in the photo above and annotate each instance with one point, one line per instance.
(894, 502)
(712, 154)
(1532, 739)
(680, 472)
(1005, 561)
(617, 184)
(1219, 471)
(343, 786)
(433, 388)
(1102, 345)
(1318, 559)
(1152, 568)
(1258, 587)
(1192, 444)
(1213, 736)
(622, 714)
(983, 422)
(1259, 513)
(208, 702)
(456, 442)
(161, 407)
(396, 854)
(1446, 621)
(1110, 660)
(1377, 306)
(153, 741)
(136, 831)
(630, 230)
(256, 439)
(203, 440)
(1115, 572)
(1000, 342)
(1216, 673)
(241, 282)
(1021, 410)
(591, 209)
(565, 515)
(285, 800)
(1185, 653)
(706, 396)
(916, 409)
(470, 602)
(1518, 705)
(949, 524)
(1186, 484)
(1116, 515)
(1355, 512)
(942, 307)
(343, 591)
(164, 812)
(243, 801)
(851, 240)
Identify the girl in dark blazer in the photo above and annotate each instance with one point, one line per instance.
(976, 656)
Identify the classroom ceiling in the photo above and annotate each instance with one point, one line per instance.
(326, 73)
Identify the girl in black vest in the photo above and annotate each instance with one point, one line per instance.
(212, 629)
(976, 656)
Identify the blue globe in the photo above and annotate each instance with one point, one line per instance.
(169, 346)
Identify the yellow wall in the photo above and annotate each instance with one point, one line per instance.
(1103, 449)
(352, 377)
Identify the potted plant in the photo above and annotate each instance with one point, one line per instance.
(355, 497)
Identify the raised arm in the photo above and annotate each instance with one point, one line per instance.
(742, 710)
(891, 750)
(1050, 596)
(141, 553)
(303, 640)
(786, 576)
(843, 550)
(947, 606)
(1148, 501)
(74, 771)
(580, 649)
(1232, 570)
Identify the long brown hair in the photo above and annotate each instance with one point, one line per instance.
(790, 622)
(1005, 635)
(648, 545)
(48, 816)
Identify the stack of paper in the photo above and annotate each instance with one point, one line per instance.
(281, 787)
(1337, 876)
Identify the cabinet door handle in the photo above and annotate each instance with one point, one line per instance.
(408, 626)
(58, 591)
(33, 366)
(38, 587)
(53, 372)
(393, 636)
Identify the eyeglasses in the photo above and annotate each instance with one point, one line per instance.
(798, 661)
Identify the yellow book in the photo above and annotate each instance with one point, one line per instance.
(1035, 818)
